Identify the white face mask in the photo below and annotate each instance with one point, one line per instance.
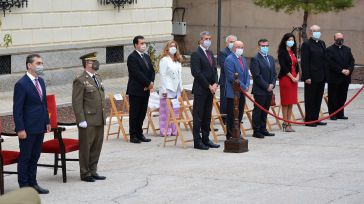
(172, 50)
(239, 51)
(143, 48)
(39, 70)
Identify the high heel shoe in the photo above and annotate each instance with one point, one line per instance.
(290, 128)
(284, 126)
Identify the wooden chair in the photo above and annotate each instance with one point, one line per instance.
(187, 103)
(120, 115)
(248, 112)
(300, 110)
(277, 122)
(172, 119)
(216, 115)
(153, 111)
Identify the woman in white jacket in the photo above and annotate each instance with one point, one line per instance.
(170, 70)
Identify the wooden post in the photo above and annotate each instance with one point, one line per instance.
(236, 144)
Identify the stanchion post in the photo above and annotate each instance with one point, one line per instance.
(236, 144)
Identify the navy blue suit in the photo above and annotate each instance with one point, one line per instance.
(222, 56)
(264, 73)
(232, 66)
(30, 114)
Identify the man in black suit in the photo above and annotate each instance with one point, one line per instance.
(263, 70)
(203, 69)
(140, 83)
(313, 64)
(222, 80)
(340, 67)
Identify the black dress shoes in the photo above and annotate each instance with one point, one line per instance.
(40, 190)
(268, 134)
(321, 123)
(211, 144)
(258, 135)
(88, 179)
(333, 118)
(343, 118)
(201, 146)
(98, 177)
(144, 139)
(135, 140)
(311, 125)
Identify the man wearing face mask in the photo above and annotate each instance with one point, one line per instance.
(203, 69)
(235, 63)
(141, 82)
(341, 65)
(313, 65)
(88, 101)
(222, 56)
(263, 70)
(31, 121)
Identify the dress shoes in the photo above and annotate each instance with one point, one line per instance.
(142, 138)
(268, 134)
(40, 190)
(211, 144)
(343, 118)
(88, 179)
(321, 123)
(311, 125)
(333, 118)
(135, 140)
(201, 146)
(98, 177)
(258, 135)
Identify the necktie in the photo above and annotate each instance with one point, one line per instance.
(241, 63)
(266, 59)
(145, 60)
(209, 58)
(96, 82)
(37, 86)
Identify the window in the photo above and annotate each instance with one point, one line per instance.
(114, 54)
(5, 64)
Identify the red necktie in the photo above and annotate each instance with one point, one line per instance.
(38, 89)
(209, 58)
(241, 63)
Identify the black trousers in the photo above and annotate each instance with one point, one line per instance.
(137, 113)
(223, 99)
(30, 149)
(230, 114)
(313, 98)
(337, 97)
(259, 116)
(202, 107)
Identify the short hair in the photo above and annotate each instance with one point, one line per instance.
(30, 59)
(262, 40)
(313, 27)
(231, 36)
(203, 33)
(136, 39)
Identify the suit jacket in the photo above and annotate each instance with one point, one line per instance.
(222, 56)
(171, 75)
(263, 75)
(30, 113)
(204, 74)
(285, 63)
(140, 76)
(313, 60)
(88, 100)
(339, 59)
(232, 66)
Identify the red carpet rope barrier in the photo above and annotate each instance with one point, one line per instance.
(301, 123)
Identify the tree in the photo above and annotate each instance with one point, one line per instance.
(307, 6)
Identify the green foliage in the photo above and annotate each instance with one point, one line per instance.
(154, 57)
(310, 6)
(7, 40)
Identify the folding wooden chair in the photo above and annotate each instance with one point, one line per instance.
(120, 115)
(300, 110)
(172, 119)
(323, 112)
(277, 122)
(248, 113)
(153, 111)
(216, 115)
(187, 103)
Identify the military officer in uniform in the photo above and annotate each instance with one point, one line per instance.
(88, 101)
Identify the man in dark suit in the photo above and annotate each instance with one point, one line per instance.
(340, 67)
(313, 64)
(222, 80)
(140, 83)
(31, 121)
(263, 70)
(203, 69)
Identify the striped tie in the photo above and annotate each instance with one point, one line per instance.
(38, 89)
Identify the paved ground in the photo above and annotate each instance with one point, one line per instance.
(313, 165)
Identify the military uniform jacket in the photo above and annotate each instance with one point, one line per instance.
(88, 100)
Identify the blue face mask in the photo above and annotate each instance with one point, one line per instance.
(264, 50)
(207, 43)
(316, 35)
(290, 43)
(230, 46)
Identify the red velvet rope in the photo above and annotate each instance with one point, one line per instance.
(301, 123)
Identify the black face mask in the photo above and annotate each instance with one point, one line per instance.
(96, 65)
(339, 41)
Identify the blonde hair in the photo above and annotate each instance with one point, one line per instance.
(177, 56)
